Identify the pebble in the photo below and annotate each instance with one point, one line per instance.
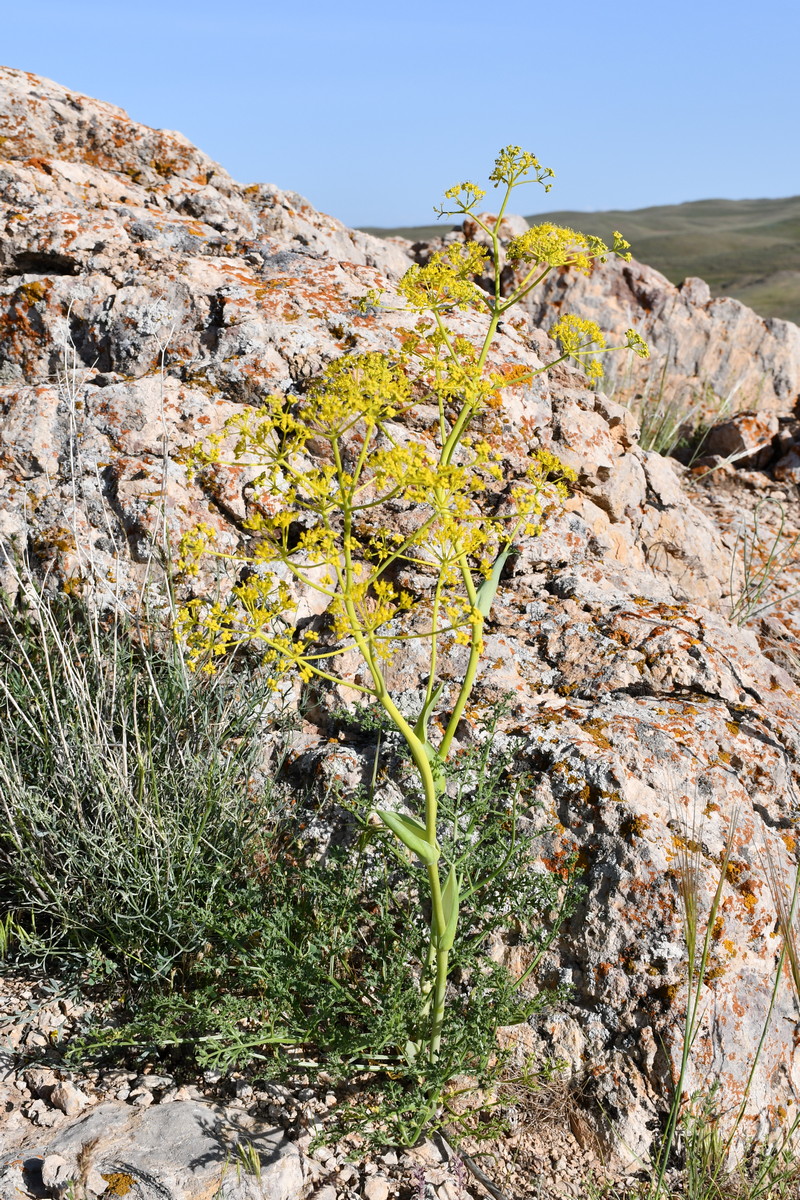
(39, 1114)
(377, 1188)
(40, 1080)
(55, 1171)
(35, 1041)
(69, 1099)
(154, 1083)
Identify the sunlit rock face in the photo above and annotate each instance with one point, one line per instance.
(146, 296)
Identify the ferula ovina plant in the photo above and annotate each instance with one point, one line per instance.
(404, 536)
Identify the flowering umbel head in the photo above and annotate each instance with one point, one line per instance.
(512, 167)
(581, 340)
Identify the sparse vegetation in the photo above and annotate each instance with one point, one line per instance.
(146, 852)
(758, 562)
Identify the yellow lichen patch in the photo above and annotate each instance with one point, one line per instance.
(31, 292)
(594, 728)
(735, 870)
(635, 826)
(119, 1183)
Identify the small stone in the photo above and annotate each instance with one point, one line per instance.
(377, 1188)
(427, 1152)
(35, 1040)
(211, 1076)
(39, 1114)
(96, 1184)
(40, 1080)
(142, 1098)
(154, 1083)
(13, 1121)
(12, 1038)
(448, 1191)
(56, 1171)
(389, 1159)
(328, 1192)
(69, 1099)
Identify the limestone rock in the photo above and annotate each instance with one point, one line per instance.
(787, 468)
(69, 1099)
(746, 360)
(182, 1151)
(746, 439)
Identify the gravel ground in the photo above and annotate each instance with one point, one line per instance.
(546, 1149)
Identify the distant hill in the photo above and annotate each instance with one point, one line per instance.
(749, 249)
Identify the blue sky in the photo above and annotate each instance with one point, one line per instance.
(371, 109)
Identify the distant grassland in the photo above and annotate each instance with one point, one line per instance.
(749, 249)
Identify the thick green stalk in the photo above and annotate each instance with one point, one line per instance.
(440, 986)
(429, 786)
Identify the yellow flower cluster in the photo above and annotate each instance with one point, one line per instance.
(447, 281)
(550, 245)
(330, 532)
(634, 342)
(580, 339)
(513, 165)
(394, 532)
(467, 194)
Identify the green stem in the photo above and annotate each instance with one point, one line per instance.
(476, 647)
(440, 989)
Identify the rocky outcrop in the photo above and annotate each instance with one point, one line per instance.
(146, 296)
(747, 361)
(180, 1150)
